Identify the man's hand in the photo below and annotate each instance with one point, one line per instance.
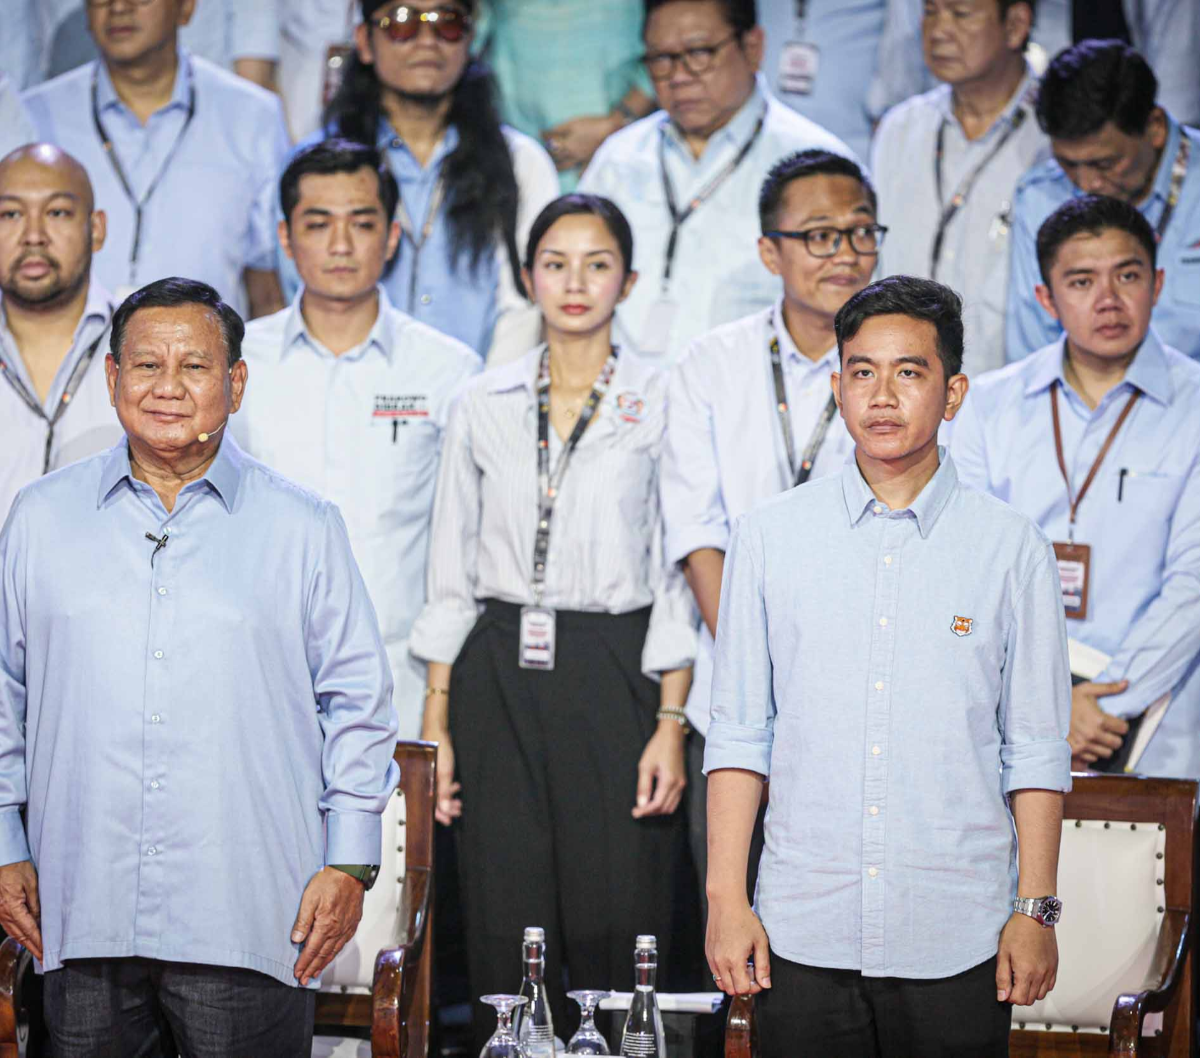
(330, 910)
(661, 774)
(573, 143)
(20, 909)
(447, 804)
(1095, 734)
(1027, 963)
(734, 935)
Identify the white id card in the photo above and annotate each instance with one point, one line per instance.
(656, 331)
(536, 650)
(798, 65)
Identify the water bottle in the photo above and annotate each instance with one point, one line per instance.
(536, 1027)
(643, 1035)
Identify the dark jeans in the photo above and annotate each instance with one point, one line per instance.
(811, 1011)
(144, 1008)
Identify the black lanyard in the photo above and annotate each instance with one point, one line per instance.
(963, 191)
(549, 482)
(677, 217)
(800, 474)
(72, 386)
(115, 161)
(1178, 173)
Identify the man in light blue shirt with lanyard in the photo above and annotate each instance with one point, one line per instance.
(688, 176)
(183, 156)
(1110, 136)
(908, 704)
(1097, 437)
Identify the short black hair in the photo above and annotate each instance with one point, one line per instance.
(1091, 214)
(579, 203)
(336, 155)
(742, 15)
(922, 299)
(1093, 83)
(798, 165)
(171, 293)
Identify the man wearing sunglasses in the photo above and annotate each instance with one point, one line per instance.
(749, 411)
(947, 162)
(687, 176)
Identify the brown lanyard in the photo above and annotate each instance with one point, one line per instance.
(1074, 502)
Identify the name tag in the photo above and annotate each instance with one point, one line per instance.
(536, 649)
(1074, 569)
(798, 65)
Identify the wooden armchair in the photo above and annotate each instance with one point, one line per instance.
(1125, 979)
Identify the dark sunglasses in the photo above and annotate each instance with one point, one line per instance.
(404, 23)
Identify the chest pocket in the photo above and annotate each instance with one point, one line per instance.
(1186, 285)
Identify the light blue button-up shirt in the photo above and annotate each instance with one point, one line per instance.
(896, 690)
(1141, 517)
(16, 128)
(1046, 187)
(194, 733)
(211, 215)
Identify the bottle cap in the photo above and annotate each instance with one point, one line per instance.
(646, 941)
(535, 935)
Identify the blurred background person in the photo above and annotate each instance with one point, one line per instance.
(16, 127)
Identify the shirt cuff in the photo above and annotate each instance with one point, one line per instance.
(682, 541)
(14, 846)
(439, 632)
(669, 645)
(353, 837)
(735, 746)
(1042, 765)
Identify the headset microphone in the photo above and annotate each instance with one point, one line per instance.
(205, 436)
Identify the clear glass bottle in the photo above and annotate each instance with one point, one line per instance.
(643, 1035)
(535, 1028)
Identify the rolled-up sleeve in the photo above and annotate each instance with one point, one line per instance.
(352, 683)
(14, 845)
(451, 608)
(693, 512)
(741, 732)
(672, 636)
(1035, 697)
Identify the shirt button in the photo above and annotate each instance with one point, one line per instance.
(154, 785)
(152, 851)
(158, 653)
(162, 591)
(887, 560)
(877, 509)
(874, 810)
(875, 751)
(426, 299)
(872, 872)
(879, 685)
(883, 622)
(155, 718)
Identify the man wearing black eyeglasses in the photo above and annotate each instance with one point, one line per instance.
(749, 412)
(687, 176)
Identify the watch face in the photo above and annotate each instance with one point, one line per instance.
(1050, 910)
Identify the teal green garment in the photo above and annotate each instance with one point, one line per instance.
(561, 59)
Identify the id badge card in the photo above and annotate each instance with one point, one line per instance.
(536, 650)
(1074, 569)
(656, 331)
(798, 65)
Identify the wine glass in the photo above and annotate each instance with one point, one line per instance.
(588, 1039)
(504, 1043)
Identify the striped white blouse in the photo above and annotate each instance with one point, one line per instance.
(606, 552)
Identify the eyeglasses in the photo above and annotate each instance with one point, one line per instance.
(109, 3)
(865, 239)
(696, 61)
(404, 23)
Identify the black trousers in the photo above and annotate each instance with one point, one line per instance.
(145, 1008)
(812, 1012)
(548, 766)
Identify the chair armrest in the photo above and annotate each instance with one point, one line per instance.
(14, 961)
(1159, 987)
(395, 979)
(741, 1029)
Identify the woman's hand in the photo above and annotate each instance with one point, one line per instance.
(661, 774)
(448, 805)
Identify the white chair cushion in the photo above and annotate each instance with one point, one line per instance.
(354, 966)
(1109, 881)
(339, 1047)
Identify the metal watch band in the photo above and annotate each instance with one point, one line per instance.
(1039, 908)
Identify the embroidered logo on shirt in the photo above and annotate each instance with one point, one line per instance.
(401, 408)
(630, 407)
(961, 626)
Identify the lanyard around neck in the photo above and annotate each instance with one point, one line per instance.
(115, 161)
(1179, 170)
(1073, 502)
(549, 482)
(678, 217)
(799, 474)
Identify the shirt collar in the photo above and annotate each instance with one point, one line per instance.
(1024, 96)
(1161, 190)
(380, 336)
(738, 129)
(388, 140)
(925, 508)
(97, 310)
(788, 347)
(223, 476)
(1148, 372)
(106, 94)
(520, 374)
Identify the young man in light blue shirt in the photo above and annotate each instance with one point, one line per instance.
(1110, 136)
(909, 705)
(1127, 515)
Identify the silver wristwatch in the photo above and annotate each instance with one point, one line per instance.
(1044, 910)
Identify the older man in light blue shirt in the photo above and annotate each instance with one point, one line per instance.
(197, 687)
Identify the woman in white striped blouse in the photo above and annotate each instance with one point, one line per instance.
(559, 647)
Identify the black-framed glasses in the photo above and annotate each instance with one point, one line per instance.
(404, 23)
(865, 239)
(696, 61)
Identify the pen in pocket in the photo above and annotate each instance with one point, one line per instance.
(1121, 482)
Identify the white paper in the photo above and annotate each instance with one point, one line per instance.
(671, 1002)
(1086, 661)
